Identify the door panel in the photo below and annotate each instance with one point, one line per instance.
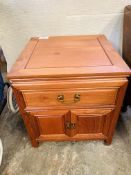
(50, 122)
(89, 124)
(93, 121)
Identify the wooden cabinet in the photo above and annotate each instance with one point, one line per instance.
(69, 88)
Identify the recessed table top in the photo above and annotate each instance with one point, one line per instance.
(68, 53)
(68, 56)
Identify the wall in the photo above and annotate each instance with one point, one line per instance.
(20, 20)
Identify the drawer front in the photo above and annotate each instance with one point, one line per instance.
(77, 97)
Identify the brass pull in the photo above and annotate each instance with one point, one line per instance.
(67, 125)
(76, 97)
(60, 98)
(70, 126)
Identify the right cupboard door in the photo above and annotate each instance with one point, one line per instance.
(92, 122)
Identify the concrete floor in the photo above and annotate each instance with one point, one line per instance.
(63, 158)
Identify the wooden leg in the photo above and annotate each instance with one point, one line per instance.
(108, 141)
(34, 143)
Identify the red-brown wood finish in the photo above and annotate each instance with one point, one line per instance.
(69, 88)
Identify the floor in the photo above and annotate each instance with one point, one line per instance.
(63, 158)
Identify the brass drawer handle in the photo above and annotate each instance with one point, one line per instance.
(76, 97)
(60, 98)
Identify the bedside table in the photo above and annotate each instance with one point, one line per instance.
(69, 88)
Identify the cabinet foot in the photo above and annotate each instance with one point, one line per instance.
(34, 143)
(108, 141)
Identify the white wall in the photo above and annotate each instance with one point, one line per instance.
(22, 19)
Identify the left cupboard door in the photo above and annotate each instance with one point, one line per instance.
(49, 125)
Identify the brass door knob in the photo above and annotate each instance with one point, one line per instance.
(70, 126)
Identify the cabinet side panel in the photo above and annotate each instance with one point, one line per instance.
(29, 126)
(116, 113)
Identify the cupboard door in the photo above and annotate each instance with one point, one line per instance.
(93, 121)
(49, 123)
(71, 124)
